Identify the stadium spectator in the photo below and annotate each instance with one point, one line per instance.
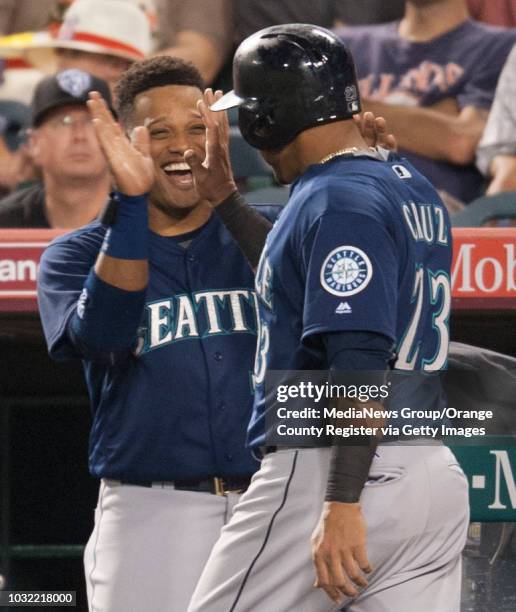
(63, 145)
(16, 168)
(351, 12)
(18, 81)
(197, 31)
(433, 77)
(15, 164)
(102, 37)
(496, 155)
(29, 16)
(494, 12)
(253, 15)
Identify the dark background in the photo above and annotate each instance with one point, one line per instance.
(50, 496)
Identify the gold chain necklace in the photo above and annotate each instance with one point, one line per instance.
(349, 151)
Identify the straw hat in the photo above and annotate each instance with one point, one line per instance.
(112, 27)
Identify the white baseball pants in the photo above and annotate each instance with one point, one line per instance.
(149, 546)
(416, 509)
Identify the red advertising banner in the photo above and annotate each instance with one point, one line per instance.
(483, 270)
(20, 252)
(484, 266)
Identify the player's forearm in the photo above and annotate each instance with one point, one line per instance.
(122, 261)
(503, 173)
(431, 133)
(248, 228)
(356, 359)
(350, 465)
(110, 307)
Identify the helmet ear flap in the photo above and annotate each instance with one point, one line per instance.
(258, 123)
(265, 123)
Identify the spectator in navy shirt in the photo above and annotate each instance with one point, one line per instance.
(433, 75)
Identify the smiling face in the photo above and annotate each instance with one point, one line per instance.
(175, 125)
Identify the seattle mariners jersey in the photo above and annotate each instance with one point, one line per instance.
(362, 245)
(177, 407)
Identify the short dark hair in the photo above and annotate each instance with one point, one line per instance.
(149, 73)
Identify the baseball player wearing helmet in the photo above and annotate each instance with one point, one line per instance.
(158, 302)
(355, 275)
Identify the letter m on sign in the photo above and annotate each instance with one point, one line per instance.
(503, 471)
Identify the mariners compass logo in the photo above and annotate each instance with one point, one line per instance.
(346, 271)
(74, 82)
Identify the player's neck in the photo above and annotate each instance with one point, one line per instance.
(71, 204)
(167, 223)
(322, 141)
(424, 23)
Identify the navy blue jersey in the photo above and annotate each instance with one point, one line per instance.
(362, 245)
(177, 405)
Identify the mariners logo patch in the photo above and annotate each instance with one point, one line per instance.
(74, 82)
(346, 271)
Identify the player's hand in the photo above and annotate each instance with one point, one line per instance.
(213, 177)
(130, 161)
(339, 550)
(374, 131)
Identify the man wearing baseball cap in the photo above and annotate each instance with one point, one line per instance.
(75, 176)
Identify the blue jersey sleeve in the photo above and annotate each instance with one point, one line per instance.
(81, 315)
(63, 270)
(351, 270)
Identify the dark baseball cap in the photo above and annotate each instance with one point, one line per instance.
(65, 88)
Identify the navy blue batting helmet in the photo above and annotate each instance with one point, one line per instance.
(288, 78)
